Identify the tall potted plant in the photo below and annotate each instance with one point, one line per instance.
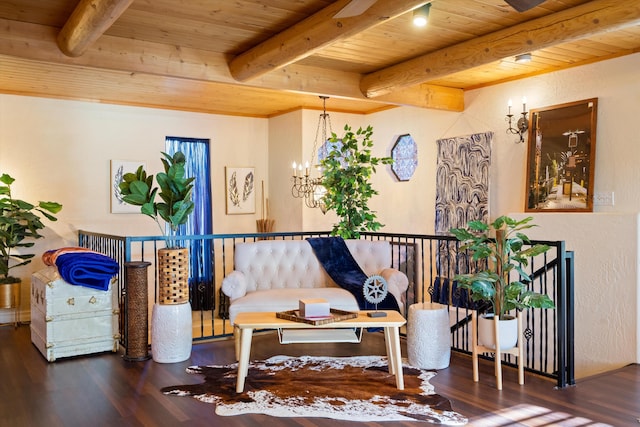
(20, 223)
(346, 174)
(175, 194)
(504, 253)
(171, 339)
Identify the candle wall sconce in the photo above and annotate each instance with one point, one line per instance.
(522, 125)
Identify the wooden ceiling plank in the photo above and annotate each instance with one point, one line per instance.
(312, 34)
(89, 20)
(579, 22)
(37, 42)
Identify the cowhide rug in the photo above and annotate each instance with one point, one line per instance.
(350, 388)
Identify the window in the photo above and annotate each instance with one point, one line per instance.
(196, 151)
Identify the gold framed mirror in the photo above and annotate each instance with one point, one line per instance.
(561, 157)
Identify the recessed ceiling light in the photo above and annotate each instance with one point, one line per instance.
(421, 15)
(524, 58)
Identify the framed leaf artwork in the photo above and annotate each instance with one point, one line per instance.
(240, 190)
(118, 169)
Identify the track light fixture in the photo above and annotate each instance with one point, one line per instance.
(421, 15)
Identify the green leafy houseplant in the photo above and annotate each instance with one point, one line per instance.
(346, 172)
(19, 221)
(174, 190)
(504, 253)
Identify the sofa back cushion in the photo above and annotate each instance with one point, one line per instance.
(280, 264)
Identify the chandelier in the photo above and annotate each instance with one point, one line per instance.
(304, 184)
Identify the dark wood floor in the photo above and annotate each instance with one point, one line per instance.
(105, 390)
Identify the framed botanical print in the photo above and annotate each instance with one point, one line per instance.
(118, 169)
(240, 190)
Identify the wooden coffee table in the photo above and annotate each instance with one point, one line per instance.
(247, 322)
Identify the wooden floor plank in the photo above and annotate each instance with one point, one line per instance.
(106, 390)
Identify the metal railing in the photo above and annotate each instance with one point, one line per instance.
(430, 263)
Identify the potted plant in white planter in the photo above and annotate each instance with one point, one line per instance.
(346, 174)
(20, 223)
(503, 254)
(172, 344)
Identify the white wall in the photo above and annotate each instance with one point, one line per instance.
(605, 242)
(61, 151)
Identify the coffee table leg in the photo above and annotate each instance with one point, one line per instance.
(390, 355)
(392, 338)
(236, 341)
(245, 352)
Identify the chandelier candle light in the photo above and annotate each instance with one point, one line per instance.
(522, 124)
(304, 186)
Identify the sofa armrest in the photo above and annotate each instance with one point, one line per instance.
(397, 283)
(234, 285)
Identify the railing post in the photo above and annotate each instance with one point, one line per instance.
(570, 275)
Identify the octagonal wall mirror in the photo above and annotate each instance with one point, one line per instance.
(561, 157)
(405, 157)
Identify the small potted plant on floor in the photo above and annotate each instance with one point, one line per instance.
(20, 224)
(503, 253)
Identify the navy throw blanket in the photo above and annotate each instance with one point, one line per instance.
(333, 254)
(88, 269)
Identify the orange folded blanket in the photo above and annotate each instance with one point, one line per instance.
(49, 257)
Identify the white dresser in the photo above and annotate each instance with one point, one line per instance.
(69, 320)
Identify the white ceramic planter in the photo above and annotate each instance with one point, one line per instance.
(508, 330)
(171, 332)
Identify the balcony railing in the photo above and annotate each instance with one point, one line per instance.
(430, 262)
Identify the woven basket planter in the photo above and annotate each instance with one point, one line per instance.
(173, 275)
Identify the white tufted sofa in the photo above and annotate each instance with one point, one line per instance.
(273, 275)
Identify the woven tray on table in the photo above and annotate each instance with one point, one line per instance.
(335, 315)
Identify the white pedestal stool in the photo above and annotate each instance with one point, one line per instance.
(428, 336)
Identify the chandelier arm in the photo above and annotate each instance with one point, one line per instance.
(305, 186)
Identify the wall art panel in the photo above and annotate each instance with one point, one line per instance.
(462, 190)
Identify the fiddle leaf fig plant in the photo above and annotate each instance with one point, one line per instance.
(19, 222)
(173, 188)
(346, 173)
(503, 254)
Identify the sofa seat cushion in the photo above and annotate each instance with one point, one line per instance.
(288, 299)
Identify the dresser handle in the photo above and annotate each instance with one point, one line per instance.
(71, 301)
(92, 300)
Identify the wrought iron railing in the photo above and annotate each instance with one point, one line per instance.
(430, 262)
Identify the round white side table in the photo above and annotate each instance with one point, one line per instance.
(171, 332)
(428, 336)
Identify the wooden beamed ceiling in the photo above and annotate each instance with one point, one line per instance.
(274, 57)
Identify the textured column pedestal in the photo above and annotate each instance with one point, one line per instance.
(136, 306)
(171, 332)
(428, 336)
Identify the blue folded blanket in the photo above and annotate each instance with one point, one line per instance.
(334, 255)
(88, 269)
